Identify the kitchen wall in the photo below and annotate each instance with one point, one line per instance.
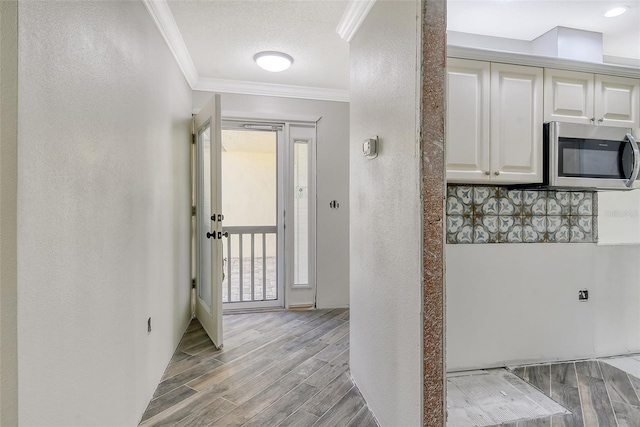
(103, 211)
(332, 181)
(510, 304)
(386, 220)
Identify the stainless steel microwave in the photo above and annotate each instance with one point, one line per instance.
(581, 156)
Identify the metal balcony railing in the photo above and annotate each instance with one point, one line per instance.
(250, 264)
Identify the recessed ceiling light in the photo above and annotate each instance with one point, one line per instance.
(273, 61)
(616, 11)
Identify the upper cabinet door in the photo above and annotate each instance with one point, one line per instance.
(467, 125)
(516, 123)
(617, 101)
(568, 96)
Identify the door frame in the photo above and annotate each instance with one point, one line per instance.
(285, 199)
(281, 138)
(302, 295)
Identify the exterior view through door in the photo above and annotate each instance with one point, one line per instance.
(265, 169)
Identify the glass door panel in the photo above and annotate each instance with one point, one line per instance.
(301, 212)
(250, 206)
(204, 222)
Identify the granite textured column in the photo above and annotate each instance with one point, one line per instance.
(433, 199)
(8, 213)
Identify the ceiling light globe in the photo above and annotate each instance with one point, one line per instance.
(273, 61)
(616, 11)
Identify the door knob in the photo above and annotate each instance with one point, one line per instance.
(217, 236)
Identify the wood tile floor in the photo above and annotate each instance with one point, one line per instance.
(596, 393)
(282, 368)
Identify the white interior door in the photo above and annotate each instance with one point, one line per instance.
(208, 220)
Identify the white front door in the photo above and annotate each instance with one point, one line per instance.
(208, 220)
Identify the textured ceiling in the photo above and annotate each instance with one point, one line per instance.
(528, 19)
(223, 35)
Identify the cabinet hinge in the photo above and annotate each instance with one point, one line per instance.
(193, 138)
(193, 283)
(193, 211)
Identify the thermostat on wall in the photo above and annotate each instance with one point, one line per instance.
(370, 148)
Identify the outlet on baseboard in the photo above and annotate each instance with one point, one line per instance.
(149, 325)
(583, 295)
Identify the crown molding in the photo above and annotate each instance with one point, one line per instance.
(541, 61)
(162, 16)
(353, 17)
(270, 89)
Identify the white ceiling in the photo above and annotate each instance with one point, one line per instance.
(528, 19)
(223, 35)
(215, 40)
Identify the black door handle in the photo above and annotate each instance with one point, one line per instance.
(219, 235)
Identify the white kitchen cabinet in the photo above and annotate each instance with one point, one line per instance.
(467, 120)
(494, 123)
(617, 101)
(568, 96)
(516, 123)
(577, 97)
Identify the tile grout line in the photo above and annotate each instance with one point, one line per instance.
(278, 399)
(575, 370)
(632, 386)
(606, 388)
(301, 382)
(325, 412)
(364, 407)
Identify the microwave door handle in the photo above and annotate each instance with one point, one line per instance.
(636, 161)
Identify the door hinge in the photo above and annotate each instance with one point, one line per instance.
(193, 283)
(193, 211)
(193, 138)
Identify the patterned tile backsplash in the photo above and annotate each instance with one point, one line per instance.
(480, 214)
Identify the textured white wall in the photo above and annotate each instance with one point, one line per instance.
(8, 211)
(332, 181)
(518, 303)
(103, 208)
(385, 221)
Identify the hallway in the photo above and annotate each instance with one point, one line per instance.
(280, 368)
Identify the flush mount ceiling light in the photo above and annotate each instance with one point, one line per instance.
(273, 61)
(616, 11)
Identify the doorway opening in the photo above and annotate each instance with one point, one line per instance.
(252, 205)
(268, 201)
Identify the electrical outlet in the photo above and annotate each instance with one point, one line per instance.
(149, 325)
(583, 295)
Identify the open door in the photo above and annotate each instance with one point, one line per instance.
(208, 204)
